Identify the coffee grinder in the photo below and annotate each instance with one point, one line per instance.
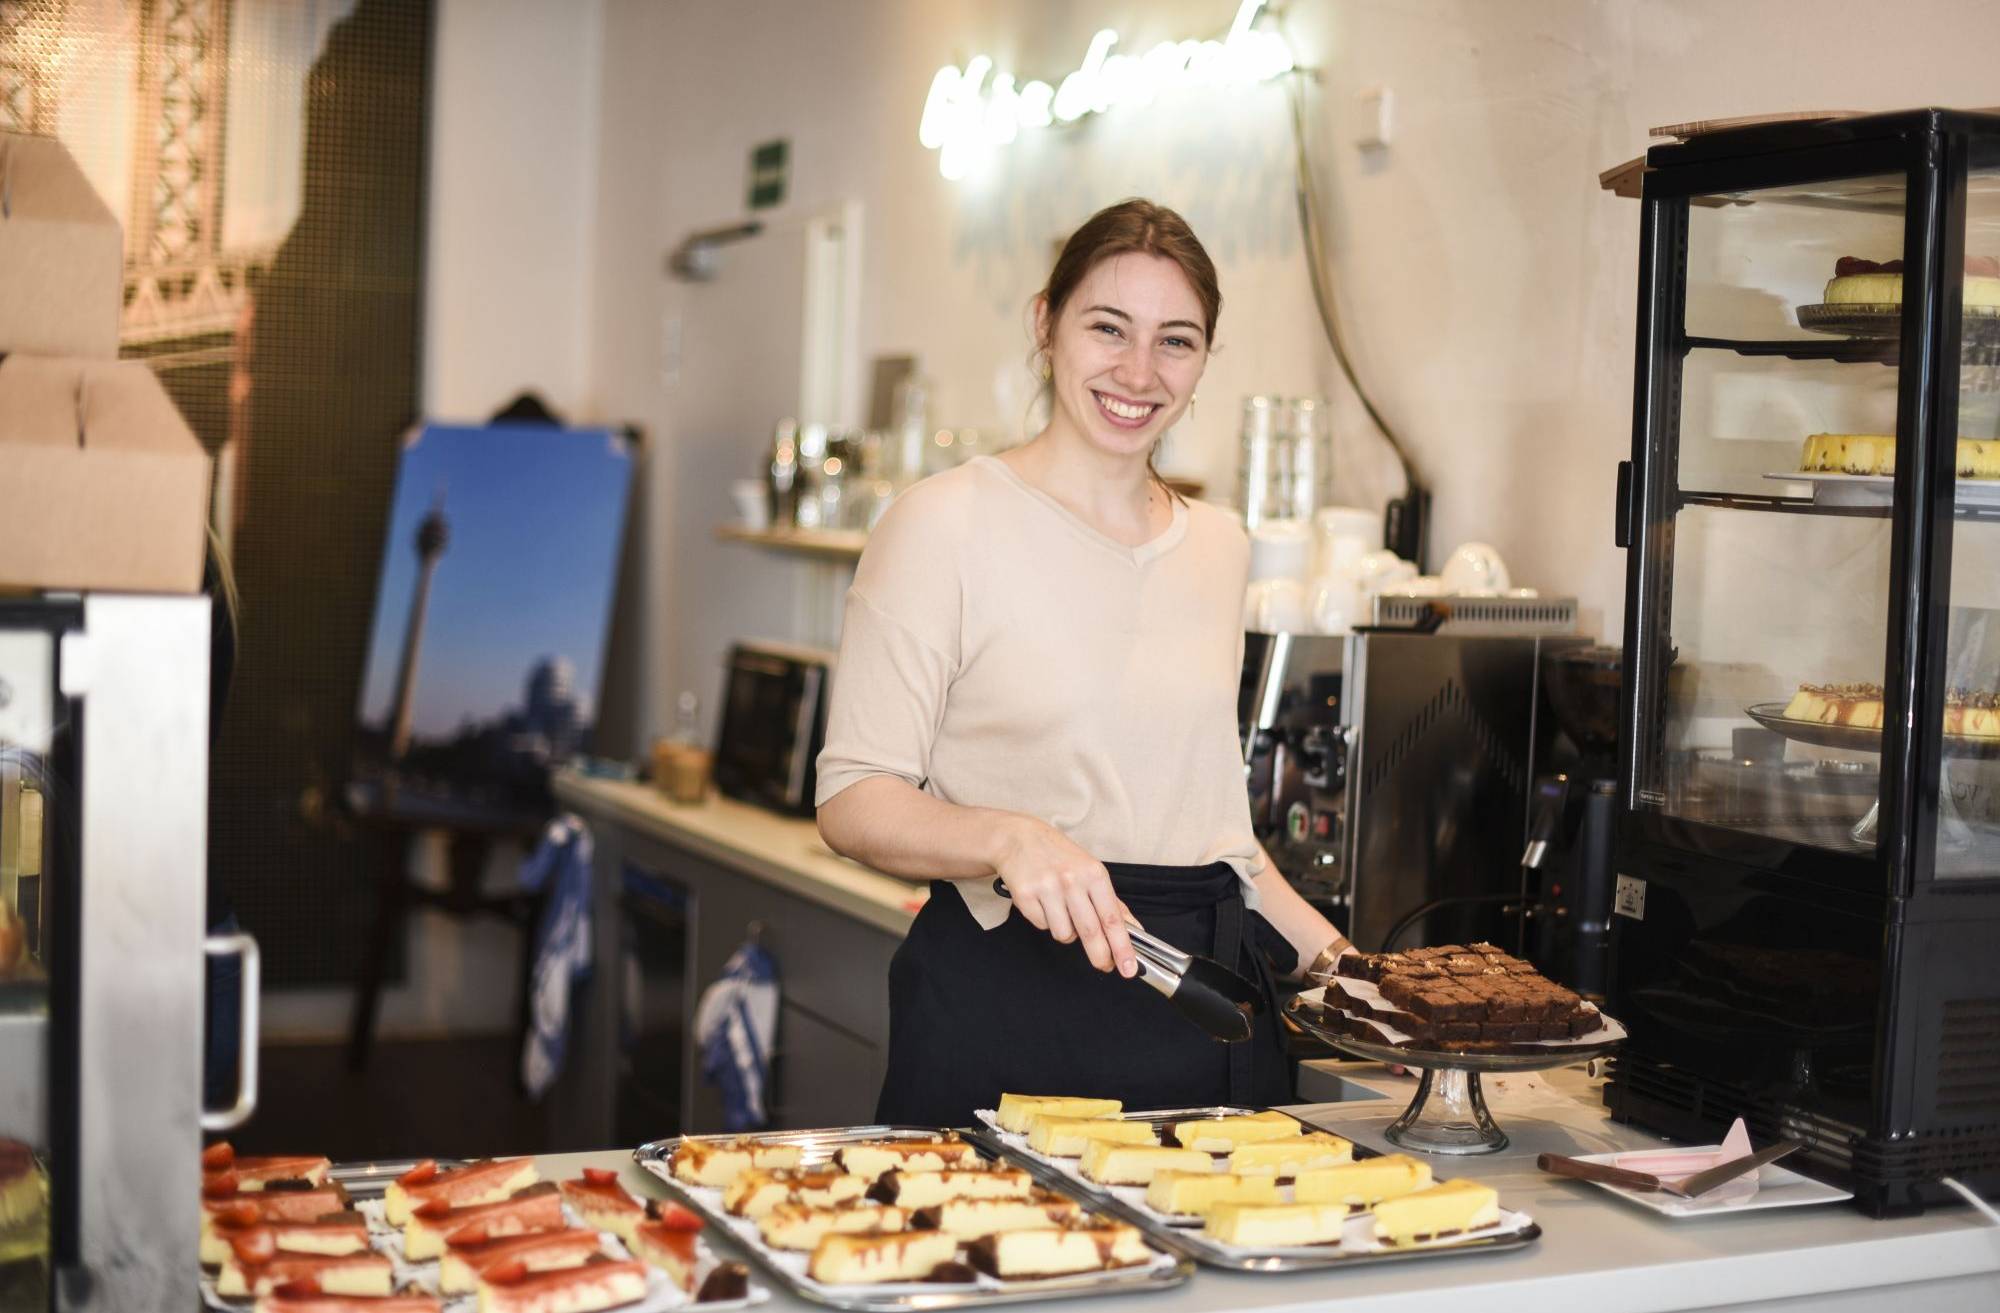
(1573, 811)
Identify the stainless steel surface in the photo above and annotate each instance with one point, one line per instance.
(1489, 617)
(816, 1147)
(1199, 1247)
(251, 986)
(141, 666)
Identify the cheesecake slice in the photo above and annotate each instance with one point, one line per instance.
(599, 1201)
(802, 1227)
(1363, 1183)
(1197, 1192)
(305, 1297)
(272, 1205)
(220, 1163)
(433, 1226)
(367, 1273)
(1276, 1226)
(759, 1190)
(462, 1265)
(718, 1162)
(475, 1183)
(873, 1257)
(1068, 1137)
(1446, 1209)
(872, 1158)
(1224, 1134)
(1030, 1255)
(599, 1284)
(673, 1249)
(247, 1239)
(968, 1219)
(1110, 1163)
(923, 1189)
(1018, 1110)
(1289, 1157)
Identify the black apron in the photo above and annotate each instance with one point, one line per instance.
(974, 1013)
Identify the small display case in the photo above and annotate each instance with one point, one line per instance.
(1808, 928)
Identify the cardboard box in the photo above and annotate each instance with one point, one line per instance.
(102, 483)
(62, 257)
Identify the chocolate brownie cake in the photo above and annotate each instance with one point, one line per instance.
(1474, 998)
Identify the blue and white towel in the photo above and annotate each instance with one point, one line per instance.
(561, 864)
(735, 1025)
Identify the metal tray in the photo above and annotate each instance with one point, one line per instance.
(817, 1147)
(1190, 1242)
(1980, 327)
(1853, 738)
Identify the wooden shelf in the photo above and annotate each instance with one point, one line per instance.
(824, 544)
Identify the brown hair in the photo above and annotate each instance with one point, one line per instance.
(1135, 226)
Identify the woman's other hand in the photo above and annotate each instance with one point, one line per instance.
(1062, 889)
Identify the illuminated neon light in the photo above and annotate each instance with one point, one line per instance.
(966, 117)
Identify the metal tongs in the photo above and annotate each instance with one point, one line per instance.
(1206, 992)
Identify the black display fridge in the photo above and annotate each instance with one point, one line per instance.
(103, 823)
(1807, 928)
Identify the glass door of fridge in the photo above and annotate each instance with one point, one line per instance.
(1771, 574)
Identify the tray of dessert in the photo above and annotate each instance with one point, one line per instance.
(292, 1235)
(1475, 1008)
(881, 1218)
(1250, 1190)
(1864, 298)
(1858, 469)
(1849, 716)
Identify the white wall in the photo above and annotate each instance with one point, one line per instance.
(513, 192)
(1487, 283)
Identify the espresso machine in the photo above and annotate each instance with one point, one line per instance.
(1391, 769)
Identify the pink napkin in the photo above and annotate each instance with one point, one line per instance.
(1675, 1165)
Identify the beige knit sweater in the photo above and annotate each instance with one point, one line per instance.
(999, 652)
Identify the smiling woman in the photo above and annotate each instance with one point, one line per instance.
(1036, 710)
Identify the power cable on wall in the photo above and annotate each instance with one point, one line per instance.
(1406, 519)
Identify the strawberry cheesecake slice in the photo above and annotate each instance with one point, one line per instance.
(432, 1226)
(242, 1235)
(219, 1164)
(603, 1203)
(538, 1251)
(305, 1297)
(672, 1247)
(599, 1284)
(366, 1273)
(476, 1183)
(246, 1210)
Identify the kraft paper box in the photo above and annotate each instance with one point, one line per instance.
(62, 276)
(102, 483)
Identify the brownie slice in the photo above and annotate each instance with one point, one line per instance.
(1465, 964)
(1554, 1029)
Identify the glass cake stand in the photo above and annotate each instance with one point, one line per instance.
(1448, 1112)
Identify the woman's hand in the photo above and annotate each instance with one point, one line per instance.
(1062, 889)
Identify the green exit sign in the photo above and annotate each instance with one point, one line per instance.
(770, 165)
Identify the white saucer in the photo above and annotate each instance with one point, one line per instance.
(1777, 1187)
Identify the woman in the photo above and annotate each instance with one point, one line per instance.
(1035, 708)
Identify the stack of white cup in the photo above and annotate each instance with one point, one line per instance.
(1281, 553)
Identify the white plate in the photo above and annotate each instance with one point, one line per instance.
(1833, 489)
(1777, 1187)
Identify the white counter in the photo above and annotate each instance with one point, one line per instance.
(758, 843)
(1597, 1253)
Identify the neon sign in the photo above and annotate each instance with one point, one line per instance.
(966, 116)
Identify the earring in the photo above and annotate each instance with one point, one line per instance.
(1042, 369)
(1193, 397)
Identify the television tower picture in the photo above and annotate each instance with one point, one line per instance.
(432, 535)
